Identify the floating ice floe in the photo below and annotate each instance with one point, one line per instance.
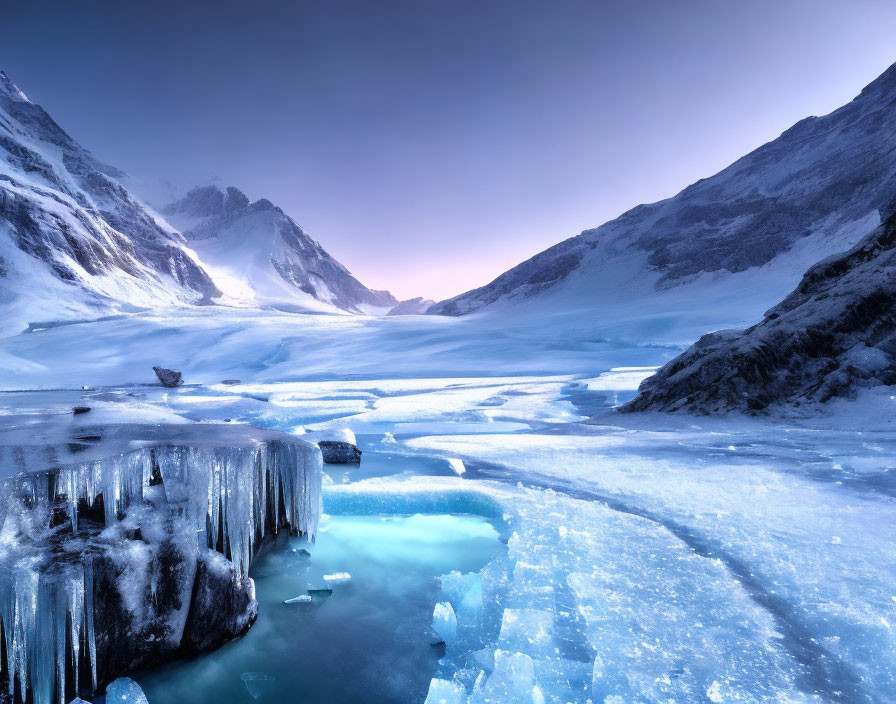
(258, 683)
(337, 578)
(125, 691)
(300, 599)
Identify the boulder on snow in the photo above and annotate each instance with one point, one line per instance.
(168, 377)
(336, 446)
(78, 410)
(337, 452)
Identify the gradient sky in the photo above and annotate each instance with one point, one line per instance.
(431, 144)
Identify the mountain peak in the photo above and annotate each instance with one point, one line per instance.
(884, 82)
(11, 89)
(235, 200)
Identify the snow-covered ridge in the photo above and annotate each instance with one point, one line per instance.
(74, 243)
(100, 554)
(261, 256)
(806, 195)
(835, 334)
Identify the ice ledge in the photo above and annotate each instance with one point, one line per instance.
(101, 571)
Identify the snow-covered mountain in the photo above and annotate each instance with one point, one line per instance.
(412, 306)
(835, 334)
(732, 244)
(74, 243)
(260, 255)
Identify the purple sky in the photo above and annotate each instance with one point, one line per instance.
(431, 144)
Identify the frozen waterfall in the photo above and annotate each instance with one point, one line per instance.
(62, 497)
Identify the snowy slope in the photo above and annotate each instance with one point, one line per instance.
(753, 228)
(260, 255)
(835, 334)
(74, 243)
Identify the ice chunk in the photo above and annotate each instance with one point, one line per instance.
(444, 621)
(337, 578)
(445, 692)
(464, 591)
(300, 599)
(527, 630)
(258, 683)
(513, 680)
(457, 466)
(125, 691)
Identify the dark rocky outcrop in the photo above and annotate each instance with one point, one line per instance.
(168, 377)
(223, 605)
(835, 334)
(339, 452)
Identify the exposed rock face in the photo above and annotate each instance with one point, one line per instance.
(412, 306)
(168, 377)
(73, 240)
(223, 605)
(337, 452)
(265, 253)
(834, 334)
(816, 181)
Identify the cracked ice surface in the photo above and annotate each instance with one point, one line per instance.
(799, 523)
(589, 603)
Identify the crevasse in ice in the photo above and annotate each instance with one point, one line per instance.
(232, 495)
